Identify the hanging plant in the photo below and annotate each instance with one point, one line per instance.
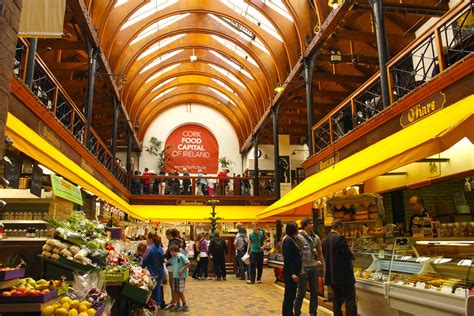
(225, 162)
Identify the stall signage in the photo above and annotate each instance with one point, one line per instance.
(49, 135)
(329, 161)
(190, 203)
(423, 109)
(66, 190)
(192, 147)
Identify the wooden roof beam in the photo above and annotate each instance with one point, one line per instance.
(404, 8)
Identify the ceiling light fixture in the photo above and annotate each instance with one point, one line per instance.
(193, 57)
(334, 4)
(279, 88)
(336, 56)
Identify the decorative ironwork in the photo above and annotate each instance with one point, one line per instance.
(368, 103)
(458, 38)
(43, 87)
(20, 60)
(239, 27)
(64, 111)
(342, 122)
(322, 137)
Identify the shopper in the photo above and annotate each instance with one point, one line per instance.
(257, 243)
(196, 256)
(153, 261)
(180, 265)
(313, 263)
(339, 272)
(200, 183)
(291, 268)
(203, 257)
(246, 183)
(146, 181)
(186, 182)
(172, 236)
(218, 250)
(222, 182)
(241, 242)
(417, 206)
(136, 183)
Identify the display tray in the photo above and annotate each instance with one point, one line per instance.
(75, 264)
(116, 277)
(135, 293)
(43, 298)
(12, 274)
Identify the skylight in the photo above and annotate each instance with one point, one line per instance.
(163, 83)
(163, 93)
(145, 11)
(222, 84)
(159, 73)
(161, 59)
(253, 15)
(232, 63)
(161, 24)
(279, 7)
(239, 31)
(227, 74)
(223, 96)
(120, 2)
(159, 45)
(235, 48)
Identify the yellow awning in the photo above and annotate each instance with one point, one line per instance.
(33, 145)
(189, 213)
(427, 137)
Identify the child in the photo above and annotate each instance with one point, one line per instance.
(140, 253)
(180, 265)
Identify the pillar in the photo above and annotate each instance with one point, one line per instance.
(90, 91)
(382, 47)
(30, 62)
(276, 149)
(129, 153)
(114, 131)
(9, 22)
(256, 184)
(308, 77)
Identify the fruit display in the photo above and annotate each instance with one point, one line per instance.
(70, 307)
(141, 277)
(31, 287)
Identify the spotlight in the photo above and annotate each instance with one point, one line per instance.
(336, 57)
(8, 141)
(279, 88)
(5, 181)
(334, 4)
(7, 160)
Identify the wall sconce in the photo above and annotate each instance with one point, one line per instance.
(193, 57)
(334, 4)
(336, 57)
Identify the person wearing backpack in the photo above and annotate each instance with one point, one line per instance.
(257, 242)
(313, 262)
(218, 250)
(241, 243)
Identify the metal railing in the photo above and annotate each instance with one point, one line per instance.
(445, 44)
(173, 185)
(55, 99)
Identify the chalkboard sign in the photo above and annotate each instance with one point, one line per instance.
(13, 170)
(36, 180)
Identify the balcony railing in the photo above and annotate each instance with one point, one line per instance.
(445, 44)
(153, 185)
(55, 99)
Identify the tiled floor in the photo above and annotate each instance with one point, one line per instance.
(235, 298)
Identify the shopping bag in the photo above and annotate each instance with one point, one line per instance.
(246, 258)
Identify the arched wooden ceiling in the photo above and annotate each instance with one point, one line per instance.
(227, 61)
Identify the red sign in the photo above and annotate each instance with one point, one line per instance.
(192, 147)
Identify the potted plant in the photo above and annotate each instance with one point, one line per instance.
(156, 149)
(214, 218)
(225, 162)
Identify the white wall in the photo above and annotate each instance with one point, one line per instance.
(213, 120)
(265, 162)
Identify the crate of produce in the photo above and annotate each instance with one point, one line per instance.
(18, 298)
(116, 276)
(11, 273)
(75, 265)
(135, 293)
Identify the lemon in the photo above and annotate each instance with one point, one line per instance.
(48, 310)
(65, 299)
(83, 314)
(82, 308)
(88, 304)
(66, 306)
(91, 312)
(75, 304)
(61, 312)
(73, 312)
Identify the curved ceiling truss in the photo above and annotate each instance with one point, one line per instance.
(244, 48)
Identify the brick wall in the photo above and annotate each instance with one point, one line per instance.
(438, 199)
(9, 21)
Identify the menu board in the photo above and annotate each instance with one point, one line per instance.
(36, 180)
(13, 170)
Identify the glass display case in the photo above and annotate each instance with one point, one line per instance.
(405, 276)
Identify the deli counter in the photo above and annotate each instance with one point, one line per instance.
(404, 276)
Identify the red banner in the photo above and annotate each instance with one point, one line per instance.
(192, 147)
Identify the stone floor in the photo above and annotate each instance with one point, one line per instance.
(234, 297)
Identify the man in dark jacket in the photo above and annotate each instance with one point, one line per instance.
(218, 250)
(339, 271)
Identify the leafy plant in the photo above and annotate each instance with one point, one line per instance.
(156, 149)
(213, 219)
(225, 162)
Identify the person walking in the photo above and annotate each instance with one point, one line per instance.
(313, 262)
(173, 239)
(241, 242)
(154, 261)
(203, 257)
(339, 271)
(257, 243)
(180, 265)
(292, 264)
(218, 250)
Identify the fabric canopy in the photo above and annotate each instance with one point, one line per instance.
(427, 137)
(42, 18)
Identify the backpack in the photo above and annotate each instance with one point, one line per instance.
(219, 245)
